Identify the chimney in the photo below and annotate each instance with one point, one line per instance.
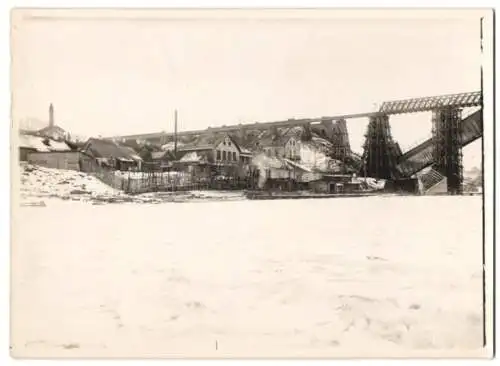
(51, 115)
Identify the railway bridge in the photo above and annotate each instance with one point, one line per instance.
(382, 157)
(451, 131)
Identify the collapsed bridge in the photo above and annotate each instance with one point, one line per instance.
(382, 157)
(443, 151)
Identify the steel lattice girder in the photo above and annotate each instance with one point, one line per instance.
(461, 100)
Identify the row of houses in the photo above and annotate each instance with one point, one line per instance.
(207, 150)
(208, 156)
(271, 159)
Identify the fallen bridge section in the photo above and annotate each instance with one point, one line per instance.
(422, 156)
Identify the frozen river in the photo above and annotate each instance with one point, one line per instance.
(331, 277)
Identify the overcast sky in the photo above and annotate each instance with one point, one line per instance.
(121, 74)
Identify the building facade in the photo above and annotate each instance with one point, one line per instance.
(68, 160)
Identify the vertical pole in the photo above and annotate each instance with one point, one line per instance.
(367, 150)
(175, 134)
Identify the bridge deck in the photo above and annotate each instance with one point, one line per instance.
(411, 105)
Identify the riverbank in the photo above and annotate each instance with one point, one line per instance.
(262, 195)
(40, 184)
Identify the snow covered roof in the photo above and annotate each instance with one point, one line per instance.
(125, 159)
(109, 149)
(171, 145)
(245, 151)
(132, 152)
(208, 142)
(192, 157)
(157, 155)
(266, 162)
(297, 165)
(58, 146)
(42, 144)
(33, 142)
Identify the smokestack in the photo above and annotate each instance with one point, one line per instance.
(175, 133)
(51, 115)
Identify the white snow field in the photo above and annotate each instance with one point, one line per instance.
(39, 185)
(377, 276)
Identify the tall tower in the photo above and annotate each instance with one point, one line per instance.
(342, 137)
(447, 146)
(51, 116)
(379, 156)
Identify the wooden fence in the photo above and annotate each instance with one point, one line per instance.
(134, 182)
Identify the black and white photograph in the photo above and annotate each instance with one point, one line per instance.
(251, 183)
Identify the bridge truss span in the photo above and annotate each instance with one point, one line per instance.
(413, 105)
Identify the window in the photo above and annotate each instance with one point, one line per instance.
(234, 155)
(224, 155)
(229, 143)
(218, 154)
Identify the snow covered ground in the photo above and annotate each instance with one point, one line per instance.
(40, 186)
(312, 278)
(41, 182)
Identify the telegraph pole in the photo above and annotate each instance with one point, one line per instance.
(175, 133)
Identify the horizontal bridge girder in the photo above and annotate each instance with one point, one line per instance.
(391, 107)
(412, 105)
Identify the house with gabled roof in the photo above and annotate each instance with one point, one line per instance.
(112, 154)
(245, 155)
(162, 160)
(213, 150)
(280, 144)
(47, 152)
(221, 149)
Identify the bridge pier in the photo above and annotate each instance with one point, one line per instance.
(447, 146)
(379, 159)
(342, 147)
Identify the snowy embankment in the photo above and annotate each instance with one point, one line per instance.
(40, 184)
(386, 276)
